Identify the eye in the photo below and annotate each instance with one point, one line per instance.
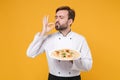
(61, 17)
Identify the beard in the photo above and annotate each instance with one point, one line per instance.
(60, 27)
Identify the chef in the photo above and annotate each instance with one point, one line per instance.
(65, 38)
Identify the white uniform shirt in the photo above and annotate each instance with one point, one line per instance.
(54, 41)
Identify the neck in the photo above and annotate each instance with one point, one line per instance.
(65, 32)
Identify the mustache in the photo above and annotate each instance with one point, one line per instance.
(57, 23)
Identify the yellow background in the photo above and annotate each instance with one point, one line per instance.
(97, 20)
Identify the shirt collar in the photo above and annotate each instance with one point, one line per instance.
(68, 34)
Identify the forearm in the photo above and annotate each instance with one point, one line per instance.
(36, 45)
(82, 64)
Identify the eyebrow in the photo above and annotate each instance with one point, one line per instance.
(59, 16)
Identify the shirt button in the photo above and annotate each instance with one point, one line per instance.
(70, 38)
(59, 38)
(58, 60)
(58, 72)
(69, 72)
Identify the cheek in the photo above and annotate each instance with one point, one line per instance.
(62, 21)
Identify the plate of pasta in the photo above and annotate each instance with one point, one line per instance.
(65, 54)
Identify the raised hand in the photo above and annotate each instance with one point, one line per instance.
(47, 26)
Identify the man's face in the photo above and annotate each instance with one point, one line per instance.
(61, 20)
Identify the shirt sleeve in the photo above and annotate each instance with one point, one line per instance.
(85, 62)
(36, 46)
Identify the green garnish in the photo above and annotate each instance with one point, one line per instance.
(64, 54)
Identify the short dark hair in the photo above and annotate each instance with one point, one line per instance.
(71, 12)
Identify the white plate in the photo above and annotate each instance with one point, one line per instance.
(64, 59)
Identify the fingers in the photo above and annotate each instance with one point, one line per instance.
(71, 61)
(45, 21)
(47, 26)
(47, 18)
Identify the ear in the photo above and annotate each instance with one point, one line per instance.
(70, 21)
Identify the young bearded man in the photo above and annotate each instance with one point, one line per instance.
(64, 38)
